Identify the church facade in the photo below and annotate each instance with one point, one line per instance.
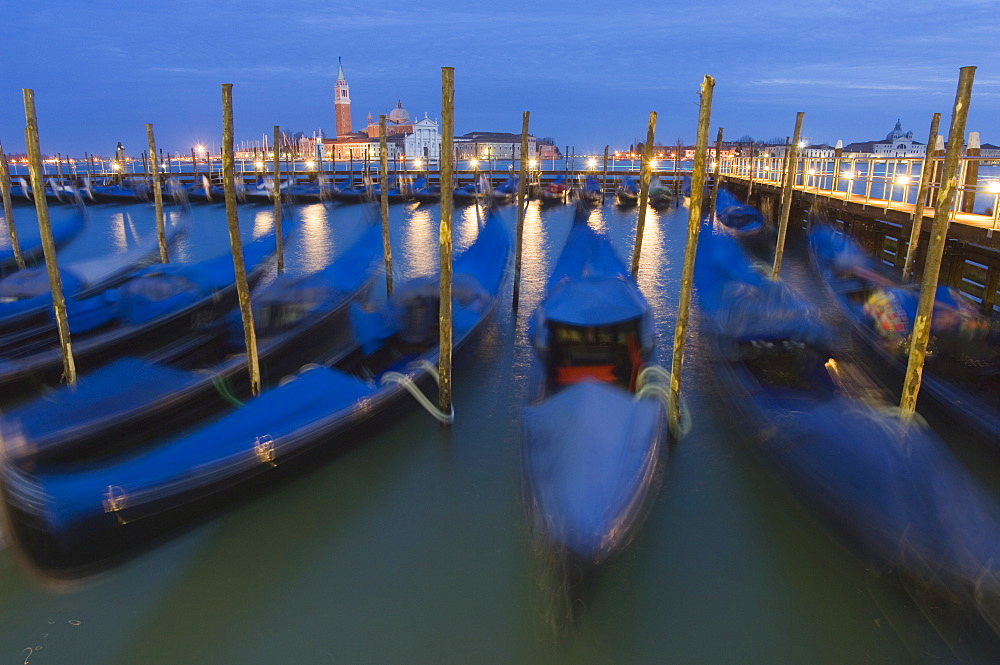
(897, 143)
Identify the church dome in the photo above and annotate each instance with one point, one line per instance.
(399, 115)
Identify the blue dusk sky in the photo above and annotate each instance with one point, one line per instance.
(589, 72)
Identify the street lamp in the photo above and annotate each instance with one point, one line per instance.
(903, 180)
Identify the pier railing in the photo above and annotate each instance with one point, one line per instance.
(885, 182)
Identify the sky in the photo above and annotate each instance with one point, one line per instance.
(589, 72)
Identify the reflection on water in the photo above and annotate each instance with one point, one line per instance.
(419, 243)
(316, 243)
(116, 228)
(263, 220)
(465, 227)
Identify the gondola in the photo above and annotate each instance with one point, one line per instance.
(745, 222)
(960, 382)
(71, 520)
(354, 194)
(20, 192)
(202, 190)
(890, 490)
(506, 191)
(627, 193)
(590, 192)
(29, 239)
(125, 192)
(554, 193)
(661, 197)
(426, 193)
(155, 306)
(296, 319)
(467, 194)
(594, 433)
(26, 298)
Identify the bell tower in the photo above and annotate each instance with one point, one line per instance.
(342, 103)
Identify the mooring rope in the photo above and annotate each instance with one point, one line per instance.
(406, 381)
(654, 382)
(223, 388)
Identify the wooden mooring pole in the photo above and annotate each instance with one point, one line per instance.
(521, 205)
(235, 244)
(45, 233)
(645, 174)
(786, 196)
(917, 220)
(276, 181)
(604, 182)
(716, 169)
(444, 235)
(8, 209)
(157, 195)
(935, 247)
(383, 196)
(690, 250)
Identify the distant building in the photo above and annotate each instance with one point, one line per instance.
(405, 138)
(989, 150)
(492, 145)
(424, 142)
(897, 143)
(341, 103)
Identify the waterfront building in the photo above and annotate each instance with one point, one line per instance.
(897, 143)
(493, 145)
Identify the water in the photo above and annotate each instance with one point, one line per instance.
(412, 547)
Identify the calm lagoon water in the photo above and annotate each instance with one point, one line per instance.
(412, 546)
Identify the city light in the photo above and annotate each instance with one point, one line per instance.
(811, 171)
(848, 175)
(474, 163)
(993, 187)
(310, 164)
(418, 163)
(532, 163)
(591, 163)
(902, 180)
(259, 164)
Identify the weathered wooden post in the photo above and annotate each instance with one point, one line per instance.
(521, 205)
(645, 174)
(604, 182)
(444, 235)
(229, 187)
(276, 181)
(383, 195)
(786, 196)
(45, 232)
(157, 195)
(677, 171)
(690, 250)
(716, 167)
(8, 209)
(935, 248)
(838, 154)
(917, 220)
(972, 153)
